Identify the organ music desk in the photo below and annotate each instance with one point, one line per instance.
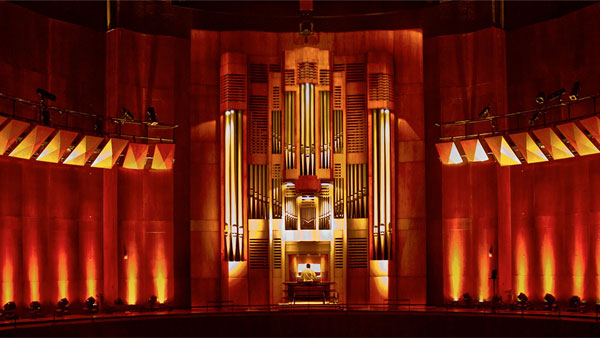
(308, 290)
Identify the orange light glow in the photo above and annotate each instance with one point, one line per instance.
(7, 281)
(90, 276)
(455, 263)
(34, 278)
(484, 271)
(160, 273)
(131, 268)
(63, 275)
(236, 269)
(522, 266)
(548, 263)
(578, 263)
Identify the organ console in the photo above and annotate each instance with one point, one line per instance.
(307, 160)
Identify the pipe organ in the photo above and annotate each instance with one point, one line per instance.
(307, 160)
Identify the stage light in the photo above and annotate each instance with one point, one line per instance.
(127, 114)
(522, 298)
(152, 302)
(491, 252)
(63, 307)
(575, 91)
(549, 302)
(152, 116)
(535, 117)
(485, 112)
(91, 305)
(556, 95)
(10, 306)
(575, 303)
(45, 95)
(35, 308)
(540, 98)
(125, 256)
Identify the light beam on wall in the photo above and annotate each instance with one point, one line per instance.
(7, 281)
(32, 142)
(502, 151)
(577, 139)
(449, 153)
(528, 148)
(63, 275)
(548, 261)
(522, 265)
(56, 148)
(553, 144)
(474, 150)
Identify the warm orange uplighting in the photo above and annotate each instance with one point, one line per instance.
(578, 263)
(132, 271)
(522, 262)
(455, 256)
(34, 278)
(484, 272)
(63, 275)
(548, 263)
(90, 276)
(7, 281)
(160, 273)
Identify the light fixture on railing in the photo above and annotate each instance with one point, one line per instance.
(575, 91)
(127, 114)
(485, 111)
(151, 116)
(556, 95)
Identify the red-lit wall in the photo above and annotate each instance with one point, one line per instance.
(541, 220)
(64, 229)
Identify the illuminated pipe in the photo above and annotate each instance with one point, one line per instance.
(227, 178)
(388, 216)
(311, 109)
(239, 186)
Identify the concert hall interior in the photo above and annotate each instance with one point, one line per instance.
(200, 155)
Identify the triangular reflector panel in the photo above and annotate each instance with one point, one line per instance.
(592, 124)
(554, 145)
(577, 138)
(10, 133)
(135, 158)
(502, 151)
(57, 146)
(528, 148)
(474, 150)
(163, 156)
(83, 150)
(449, 153)
(32, 142)
(110, 153)
(2, 120)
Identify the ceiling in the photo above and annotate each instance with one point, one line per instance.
(178, 17)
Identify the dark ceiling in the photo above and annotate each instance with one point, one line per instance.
(178, 17)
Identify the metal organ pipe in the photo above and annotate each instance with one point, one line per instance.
(290, 151)
(234, 229)
(381, 184)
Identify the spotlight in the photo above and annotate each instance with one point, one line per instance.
(522, 300)
(491, 253)
(575, 91)
(151, 116)
(35, 308)
(45, 95)
(152, 302)
(556, 95)
(10, 310)
(125, 256)
(549, 302)
(90, 305)
(485, 112)
(535, 117)
(575, 303)
(540, 98)
(63, 307)
(127, 114)
(468, 299)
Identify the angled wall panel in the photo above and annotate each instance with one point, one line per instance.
(163, 156)
(474, 150)
(83, 150)
(554, 145)
(577, 138)
(10, 133)
(449, 153)
(57, 146)
(32, 142)
(502, 151)
(528, 148)
(135, 158)
(110, 153)
(592, 124)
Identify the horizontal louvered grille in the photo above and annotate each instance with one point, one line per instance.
(233, 88)
(258, 73)
(380, 87)
(357, 253)
(259, 254)
(356, 123)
